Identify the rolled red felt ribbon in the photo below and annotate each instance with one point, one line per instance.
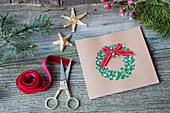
(38, 85)
(109, 53)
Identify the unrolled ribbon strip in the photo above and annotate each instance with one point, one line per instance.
(39, 84)
(109, 53)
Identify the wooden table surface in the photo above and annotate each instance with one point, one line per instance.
(154, 98)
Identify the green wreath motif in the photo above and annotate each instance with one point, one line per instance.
(125, 71)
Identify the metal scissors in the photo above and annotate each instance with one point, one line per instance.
(63, 86)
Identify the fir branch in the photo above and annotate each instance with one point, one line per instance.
(3, 21)
(14, 36)
(3, 44)
(32, 26)
(5, 39)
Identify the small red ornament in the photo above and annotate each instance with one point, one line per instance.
(122, 10)
(103, 0)
(130, 2)
(107, 5)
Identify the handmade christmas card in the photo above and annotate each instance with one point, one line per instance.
(116, 62)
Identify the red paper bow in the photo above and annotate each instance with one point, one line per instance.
(109, 53)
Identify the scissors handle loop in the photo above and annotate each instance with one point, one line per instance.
(74, 99)
(50, 98)
(54, 98)
(69, 99)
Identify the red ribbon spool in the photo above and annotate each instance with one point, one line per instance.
(39, 84)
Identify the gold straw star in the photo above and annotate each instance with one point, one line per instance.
(74, 20)
(63, 41)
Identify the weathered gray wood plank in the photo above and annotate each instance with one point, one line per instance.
(155, 98)
(54, 2)
(59, 2)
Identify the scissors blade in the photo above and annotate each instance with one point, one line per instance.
(62, 74)
(68, 70)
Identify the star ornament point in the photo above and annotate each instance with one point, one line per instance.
(63, 41)
(74, 20)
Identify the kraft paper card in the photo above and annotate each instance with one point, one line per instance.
(121, 72)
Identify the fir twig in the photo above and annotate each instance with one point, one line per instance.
(3, 21)
(3, 44)
(13, 37)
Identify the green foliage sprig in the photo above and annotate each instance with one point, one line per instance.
(13, 38)
(153, 14)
